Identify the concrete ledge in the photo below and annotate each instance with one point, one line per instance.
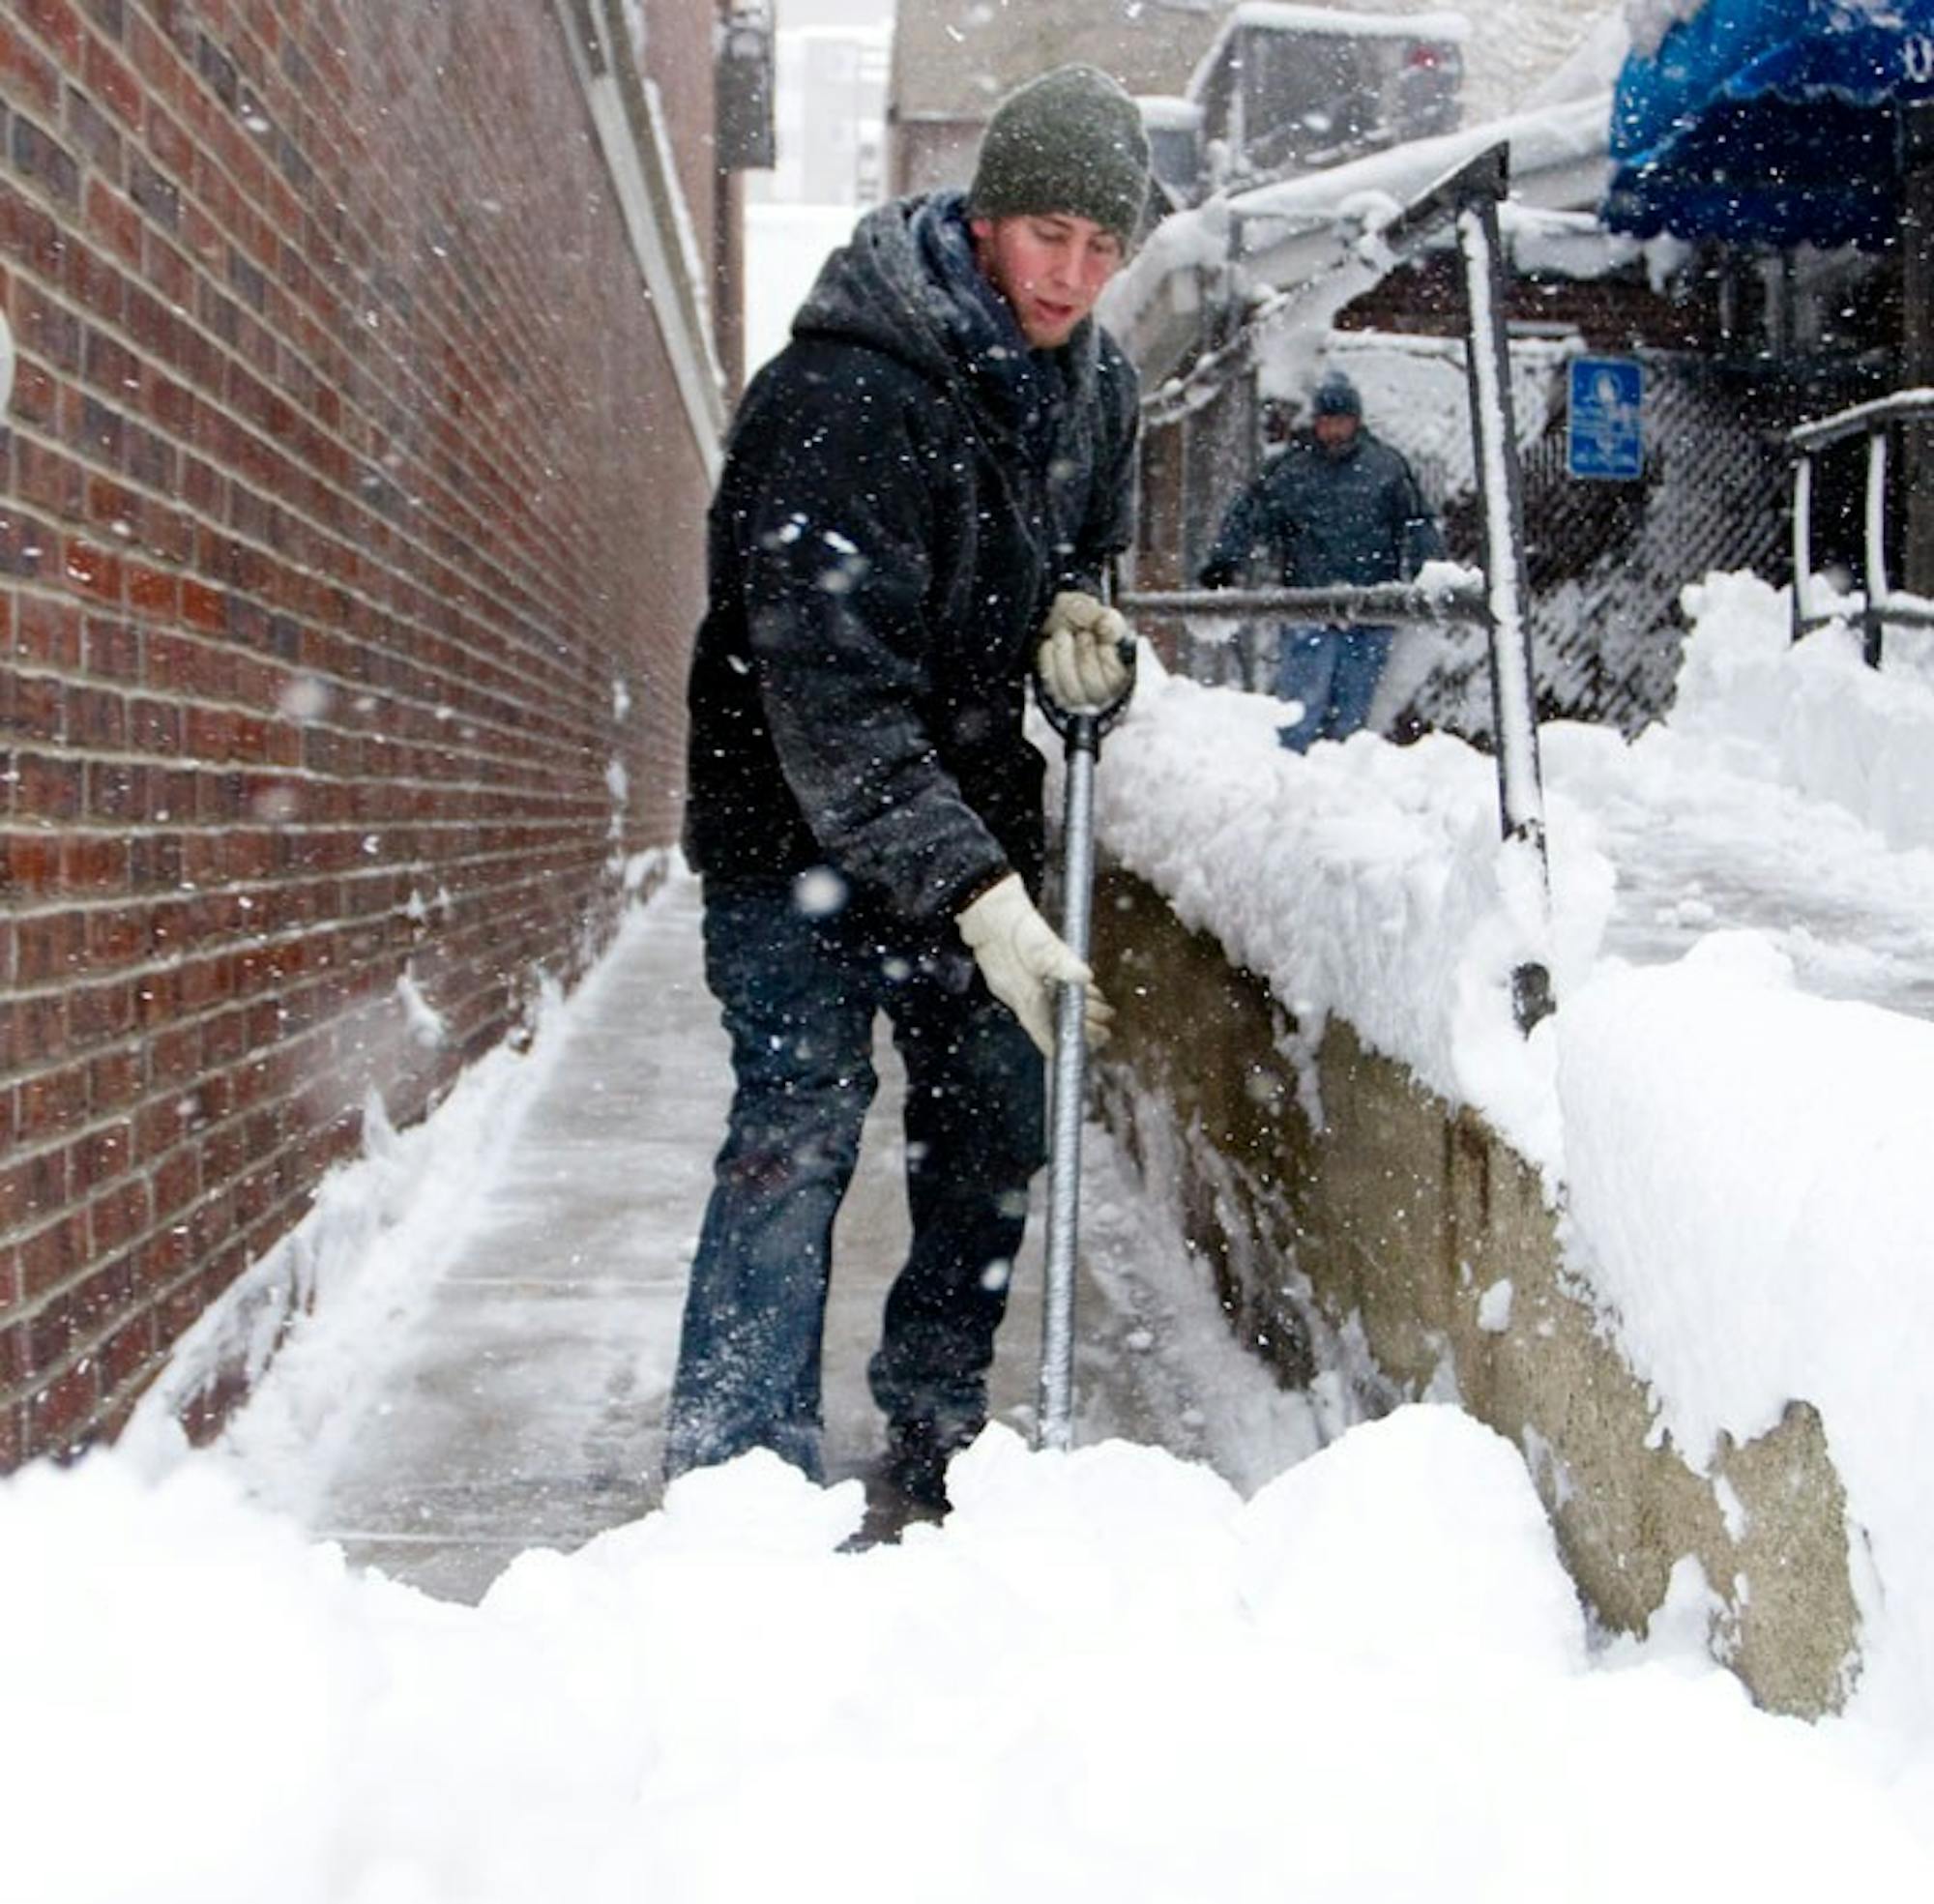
(1330, 1195)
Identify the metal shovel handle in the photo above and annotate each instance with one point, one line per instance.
(1081, 734)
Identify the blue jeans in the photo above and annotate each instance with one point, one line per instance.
(1333, 672)
(799, 994)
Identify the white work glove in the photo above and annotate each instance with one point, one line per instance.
(1023, 958)
(1080, 658)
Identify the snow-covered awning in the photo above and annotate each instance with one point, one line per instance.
(1772, 122)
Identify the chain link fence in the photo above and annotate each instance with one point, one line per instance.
(1606, 561)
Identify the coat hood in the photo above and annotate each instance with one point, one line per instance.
(907, 284)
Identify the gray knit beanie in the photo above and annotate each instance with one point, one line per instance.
(1071, 141)
(1336, 397)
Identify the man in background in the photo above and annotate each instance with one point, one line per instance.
(1338, 506)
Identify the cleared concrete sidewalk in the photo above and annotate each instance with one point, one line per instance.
(526, 1406)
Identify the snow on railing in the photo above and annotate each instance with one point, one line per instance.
(1875, 419)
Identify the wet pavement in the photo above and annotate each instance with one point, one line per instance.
(526, 1407)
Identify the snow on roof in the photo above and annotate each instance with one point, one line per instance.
(1551, 136)
(1650, 21)
(1274, 16)
(1168, 112)
(1550, 139)
(1592, 66)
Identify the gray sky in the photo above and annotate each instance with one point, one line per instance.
(789, 14)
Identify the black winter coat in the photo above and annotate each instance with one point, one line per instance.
(906, 485)
(1324, 518)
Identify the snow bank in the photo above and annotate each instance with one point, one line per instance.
(1361, 879)
(1748, 1186)
(1814, 717)
(1740, 1162)
(1105, 1677)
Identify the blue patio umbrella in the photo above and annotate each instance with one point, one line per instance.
(1775, 122)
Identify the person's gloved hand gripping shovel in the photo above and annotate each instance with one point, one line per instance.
(1084, 676)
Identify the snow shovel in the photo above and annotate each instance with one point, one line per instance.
(1080, 734)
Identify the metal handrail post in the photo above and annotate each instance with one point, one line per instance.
(1876, 543)
(1501, 496)
(1802, 541)
(1056, 1417)
(1081, 731)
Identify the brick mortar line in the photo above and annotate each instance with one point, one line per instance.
(146, 1168)
(82, 908)
(403, 389)
(584, 687)
(511, 625)
(176, 699)
(256, 942)
(561, 811)
(89, 755)
(149, 1302)
(297, 670)
(188, 828)
(563, 824)
(360, 276)
(88, 908)
(361, 876)
(76, 906)
(357, 277)
(559, 827)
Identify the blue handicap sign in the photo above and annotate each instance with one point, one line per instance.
(1604, 440)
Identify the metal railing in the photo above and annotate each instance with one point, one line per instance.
(1468, 198)
(1399, 605)
(1884, 604)
(1385, 601)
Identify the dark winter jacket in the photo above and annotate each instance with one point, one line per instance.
(1324, 518)
(906, 485)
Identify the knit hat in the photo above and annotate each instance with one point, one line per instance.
(1071, 142)
(1336, 397)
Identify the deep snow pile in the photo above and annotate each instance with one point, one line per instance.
(1107, 1677)
(1813, 717)
(1738, 1159)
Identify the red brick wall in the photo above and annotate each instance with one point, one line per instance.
(344, 499)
